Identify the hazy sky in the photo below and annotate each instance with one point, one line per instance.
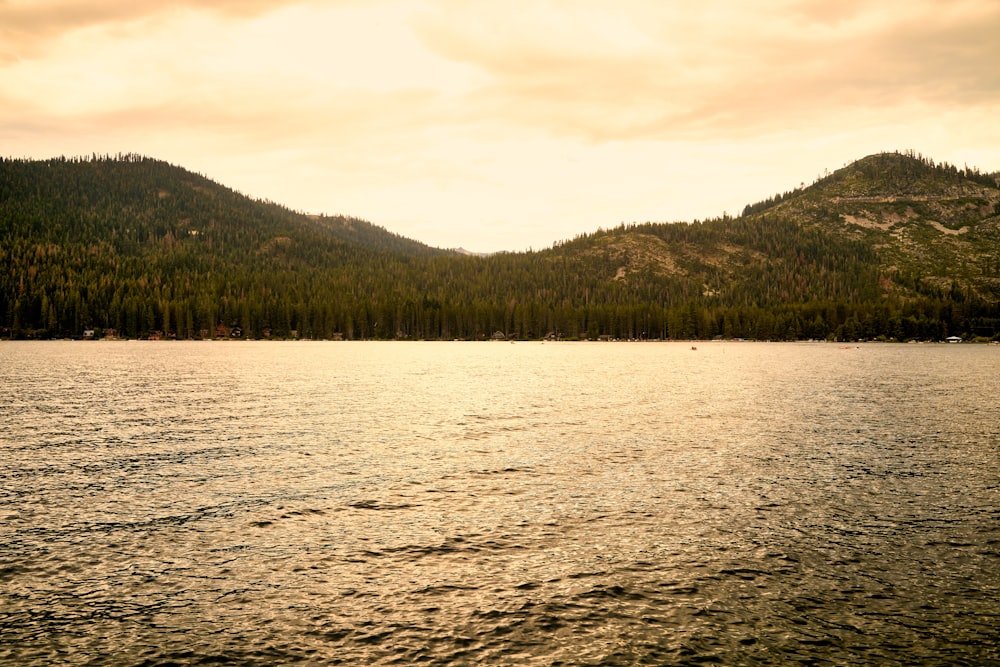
(503, 125)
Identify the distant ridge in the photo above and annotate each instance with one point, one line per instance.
(463, 251)
(892, 246)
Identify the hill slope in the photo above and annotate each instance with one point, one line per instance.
(889, 230)
(131, 201)
(932, 223)
(891, 245)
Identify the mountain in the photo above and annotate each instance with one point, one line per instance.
(887, 225)
(131, 199)
(927, 222)
(891, 246)
(915, 241)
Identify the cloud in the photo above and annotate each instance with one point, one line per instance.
(646, 70)
(297, 71)
(28, 25)
(634, 71)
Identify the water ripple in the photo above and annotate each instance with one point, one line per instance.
(574, 504)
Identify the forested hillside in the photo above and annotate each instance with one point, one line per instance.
(891, 246)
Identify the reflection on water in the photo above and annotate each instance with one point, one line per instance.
(487, 503)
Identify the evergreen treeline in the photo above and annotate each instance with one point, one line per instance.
(135, 247)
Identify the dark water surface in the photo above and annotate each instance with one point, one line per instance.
(488, 503)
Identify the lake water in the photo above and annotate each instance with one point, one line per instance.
(499, 504)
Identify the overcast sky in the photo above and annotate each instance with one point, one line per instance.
(503, 125)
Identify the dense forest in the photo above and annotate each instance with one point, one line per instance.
(893, 246)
